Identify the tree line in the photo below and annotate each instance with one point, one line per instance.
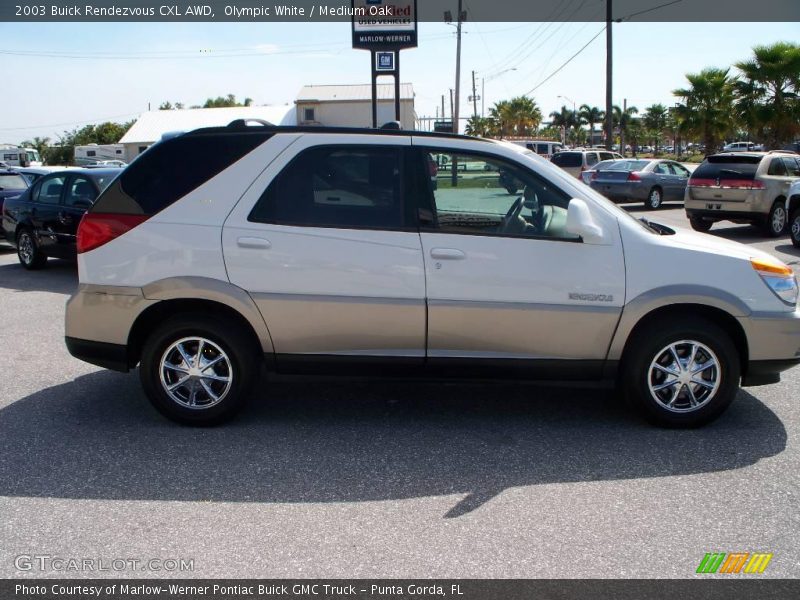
(759, 101)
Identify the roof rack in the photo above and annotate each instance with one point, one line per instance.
(239, 123)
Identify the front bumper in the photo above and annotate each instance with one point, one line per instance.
(773, 341)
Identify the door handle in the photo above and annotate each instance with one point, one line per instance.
(447, 254)
(254, 242)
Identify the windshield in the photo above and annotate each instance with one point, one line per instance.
(13, 182)
(32, 156)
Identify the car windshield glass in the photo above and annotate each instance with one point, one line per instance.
(13, 182)
(728, 167)
(627, 165)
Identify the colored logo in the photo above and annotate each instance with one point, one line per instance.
(734, 562)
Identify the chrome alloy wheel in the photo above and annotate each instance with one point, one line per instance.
(778, 219)
(684, 376)
(196, 373)
(25, 247)
(655, 198)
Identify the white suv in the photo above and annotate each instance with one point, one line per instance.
(304, 250)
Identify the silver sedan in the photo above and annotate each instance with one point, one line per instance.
(651, 181)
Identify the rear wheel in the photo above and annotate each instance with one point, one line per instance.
(775, 224)
(700, 224)
(30, 255)
(654, 199)
(794, 227)
(198, 371)
(681, 372)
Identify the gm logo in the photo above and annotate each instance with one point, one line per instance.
(736, 562)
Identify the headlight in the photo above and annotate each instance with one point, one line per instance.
(778, 277)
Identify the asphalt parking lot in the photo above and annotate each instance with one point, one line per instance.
(380, 479)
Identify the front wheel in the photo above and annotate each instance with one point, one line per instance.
(198, 371)
(28, 252)
(794, 224)
(654, 199)
(681, 372)
(775, 223)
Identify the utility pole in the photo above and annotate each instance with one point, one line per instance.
(622, 131)
(459, 20)
(444, 114)
(609, 78)
(452, 113)
(483, 97)
(474, 97)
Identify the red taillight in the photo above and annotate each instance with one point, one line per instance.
(594, 175)
(742, 184)
(699, 182)
(634, 176)
(97, 229)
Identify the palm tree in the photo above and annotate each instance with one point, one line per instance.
(519, 116)
(622, 120)
(707, 108)
(565, 119)
(479, 126)
(768, 94)
(590, 116)
(655, 121)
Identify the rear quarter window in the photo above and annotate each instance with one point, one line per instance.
(12, 181)
(171, 169)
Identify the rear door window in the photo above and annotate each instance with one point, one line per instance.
(80, 193)
(591, 159)
(792, 166)
(49, 190)
(348, 187)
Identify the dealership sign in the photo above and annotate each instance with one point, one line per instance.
(382, 24)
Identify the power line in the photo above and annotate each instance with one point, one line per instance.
(569, 60)
(103, 119)
(642, 12)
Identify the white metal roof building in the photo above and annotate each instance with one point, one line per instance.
(351, 105)
(151, 125)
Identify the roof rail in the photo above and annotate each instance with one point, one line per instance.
(239, 123)
(392, 125)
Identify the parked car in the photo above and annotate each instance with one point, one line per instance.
(743, 187)
(545, 148)
(12, 184)
(201, 265)
(33, 173)
(586, 176)
(43, 221)
(793, 210)
(576, 162)
(641, 180)
(743, 147)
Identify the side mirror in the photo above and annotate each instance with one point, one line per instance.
(581, 223)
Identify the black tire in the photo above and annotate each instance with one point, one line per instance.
(771, 225)
(700, 224)
(655, 198)
(649, 343)
(511, 189)
(794, 227)
(242, 366)
(29, 253)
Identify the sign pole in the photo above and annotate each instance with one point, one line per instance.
(373, 56)
(397, 88)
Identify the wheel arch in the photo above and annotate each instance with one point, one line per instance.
(183, 295)
(793, 203)
(717, 306)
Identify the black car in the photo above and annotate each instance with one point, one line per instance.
(43, 221)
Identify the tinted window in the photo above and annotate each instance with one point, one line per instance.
(777, 167)
(49, 190)
(567, 159)
(792, 166)
(336, 186)
(13, 182)
(169, 170)
(80, 193)
(728, 167)
(482, 195)
(591, 158)
(606, 156)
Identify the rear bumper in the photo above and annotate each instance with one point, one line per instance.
(108, 356)
(725, 215)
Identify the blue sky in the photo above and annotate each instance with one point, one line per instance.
(187, 62)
